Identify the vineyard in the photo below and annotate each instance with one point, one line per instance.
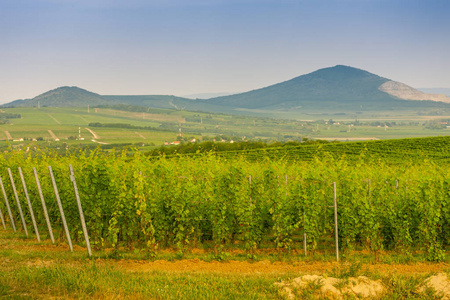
(392, 151)
(221, 203)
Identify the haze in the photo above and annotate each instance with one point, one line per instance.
(190, 47)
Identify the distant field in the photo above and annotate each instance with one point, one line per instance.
(152, 127)
(64, 123)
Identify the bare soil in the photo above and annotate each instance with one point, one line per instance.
(440, 283)
(231, 266)
(334, 288)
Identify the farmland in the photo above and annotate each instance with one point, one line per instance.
(272, 206)
(246, 213)
(211, 201)
(148, 128)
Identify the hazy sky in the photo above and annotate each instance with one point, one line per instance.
(181, 47)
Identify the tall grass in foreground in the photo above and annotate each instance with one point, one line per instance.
(87, 280)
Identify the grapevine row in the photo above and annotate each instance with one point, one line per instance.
(190, 202)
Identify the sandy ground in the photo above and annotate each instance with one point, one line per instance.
(95, 135)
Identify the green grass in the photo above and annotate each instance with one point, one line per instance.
(30, 272)
(88, 280)
(82, 278)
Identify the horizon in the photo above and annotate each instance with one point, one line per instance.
(208, 47)
(445, 91)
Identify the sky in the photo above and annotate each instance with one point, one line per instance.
(185, 47)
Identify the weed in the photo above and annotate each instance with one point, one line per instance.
(347, 270)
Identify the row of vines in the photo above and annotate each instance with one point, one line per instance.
(183, 202)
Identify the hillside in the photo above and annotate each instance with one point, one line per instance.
(76, 97)
(62, 97)
(402, 91)
(340, 87)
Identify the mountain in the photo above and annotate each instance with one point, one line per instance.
(62, 96)
(405, 92)
(206, 95)
(75, 96)
(157, 101)
(334, 87)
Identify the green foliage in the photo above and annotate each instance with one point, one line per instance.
(123, 125)
(184, 202)
(391, 151)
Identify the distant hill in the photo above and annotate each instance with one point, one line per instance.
(206, 95)
(75, 96)
(335, 87)
(61, 97)
(157, 101)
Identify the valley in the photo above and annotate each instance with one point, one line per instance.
(117, 127)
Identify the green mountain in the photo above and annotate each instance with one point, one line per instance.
(63, 96)
(339, 87)
(334, 89)
(156, 101)
(74, 96)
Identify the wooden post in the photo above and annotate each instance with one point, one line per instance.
(304, 234)
(7, 205)
(44, 207)
(250, 186)
(18, 202)
(30, 208)
(80, 209)
(58, 200)
(335, 221)
(3, 220)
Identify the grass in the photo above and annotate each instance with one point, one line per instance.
(41, 274)
(88, 280)
(32, 270)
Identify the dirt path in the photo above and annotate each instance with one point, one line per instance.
(171, 103)
(82, 118)
(93, 133)
(265, 266)
(54, 119)
(8, 136)
(53, 135)
(140, 135)
(102, 143)
(228, 267)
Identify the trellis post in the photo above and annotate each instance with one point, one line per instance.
(80, 209)
(336, 235)
(61, 211)
(44, 207)
(7, 205)
(18, 202)
(30, 207)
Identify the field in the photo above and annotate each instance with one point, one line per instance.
(31, 270)
(149, 128)
(228, 224)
